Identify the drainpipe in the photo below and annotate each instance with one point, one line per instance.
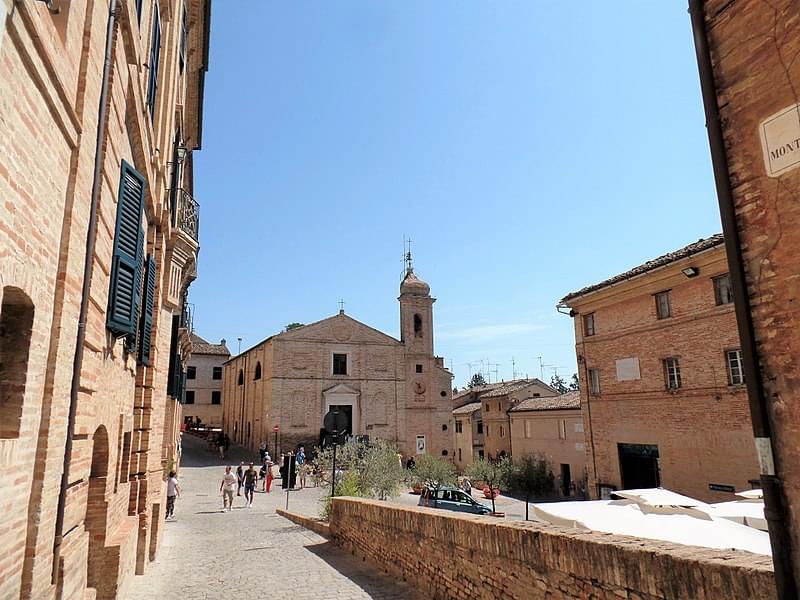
(91, 237)
(774, 498)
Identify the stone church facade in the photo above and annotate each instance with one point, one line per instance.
(392, 389)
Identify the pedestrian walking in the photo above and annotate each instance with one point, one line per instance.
(240, 478)
(270, 477)
(250, 477)
(262, 450)
(173, 491)
(227, 486)
(221, 444)
(302, 472)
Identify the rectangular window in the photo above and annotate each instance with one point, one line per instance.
(189, 396)
(184, 36)
(340, 364)
(480, 427)
(594, 381)
(527, 428)
(458, 426)
(487, 407)
(216, 397)
(486, 432)
(672, 373)
(216, 373)
(502, 431)
(191, 372)
(419, 368)
(663, 305)
(588, 324)
(723, 291)
(480, 454)
(562, 429)
(155, 56)
(733, 358)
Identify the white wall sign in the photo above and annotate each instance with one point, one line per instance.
(780, 140)
(628, 369)
(420, 444)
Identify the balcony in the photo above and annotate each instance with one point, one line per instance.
(186, 214)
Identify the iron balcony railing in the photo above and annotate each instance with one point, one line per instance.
(186, 317)
(186, 214)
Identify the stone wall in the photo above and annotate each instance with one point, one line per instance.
(466, 556)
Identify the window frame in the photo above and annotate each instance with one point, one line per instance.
(672, 373)
(667, 294)
(154, 59)
(191, 372)
(218, 394)
(729, 369)
(718, 289)
(346, 356)
(214, 371)
(589, 325)
(593, 375)
(189, 394)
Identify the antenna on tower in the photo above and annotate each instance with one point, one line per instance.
(407, 255)
(513, 368)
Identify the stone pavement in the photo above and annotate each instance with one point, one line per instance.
(207, 554)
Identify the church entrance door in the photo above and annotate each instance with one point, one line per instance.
(348, 410)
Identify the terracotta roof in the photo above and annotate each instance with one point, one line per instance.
(467, 409)
(697, 247)
(201, 346)
(570, 400)
(478, 389)
(514, 385)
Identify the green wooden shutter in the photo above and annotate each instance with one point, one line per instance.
(146, 321)
(155, 56)
(126, 265)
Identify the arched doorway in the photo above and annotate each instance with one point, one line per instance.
(96, 517)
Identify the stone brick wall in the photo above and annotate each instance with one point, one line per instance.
(51, 66)
(452, 556)
(754, 45)
(702, 430)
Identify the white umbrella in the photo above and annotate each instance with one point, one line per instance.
(689, 526)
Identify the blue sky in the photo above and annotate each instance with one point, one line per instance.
(527, 149)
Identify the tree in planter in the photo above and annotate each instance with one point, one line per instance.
(533, 475)
(494, 474)
(433, 472)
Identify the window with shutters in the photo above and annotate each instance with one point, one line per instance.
(663, 305)
(723, 290)
(146, 320)
(588, 324)
(126, 267)
(594, 381)
(155, 56)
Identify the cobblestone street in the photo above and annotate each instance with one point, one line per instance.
(208, 554)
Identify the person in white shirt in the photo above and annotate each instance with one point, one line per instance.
(227, 487)
(173, 491)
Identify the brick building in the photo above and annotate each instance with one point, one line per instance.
(662, 390)
(496, 402)
(396, 390)
(468, 434)
(203, 397)
(553, 427)
(99, 112)
(749, 75)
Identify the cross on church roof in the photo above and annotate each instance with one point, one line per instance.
(407, 257)
(341, 306)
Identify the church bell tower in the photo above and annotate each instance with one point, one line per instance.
(416, 312)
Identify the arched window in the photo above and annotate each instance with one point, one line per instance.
(417, 325)
(16, 325)
(241, 377)
(258, 371)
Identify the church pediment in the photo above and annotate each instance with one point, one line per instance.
(341, 388)
(340, 329)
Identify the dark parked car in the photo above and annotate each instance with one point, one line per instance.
(451, 498)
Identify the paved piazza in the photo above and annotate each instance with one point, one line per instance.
(207, 554)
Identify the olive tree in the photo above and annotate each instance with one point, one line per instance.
(493, 473)
(531, 474)
(433, 472)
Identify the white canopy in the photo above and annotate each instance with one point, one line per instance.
(668, 522)
(746, 512)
